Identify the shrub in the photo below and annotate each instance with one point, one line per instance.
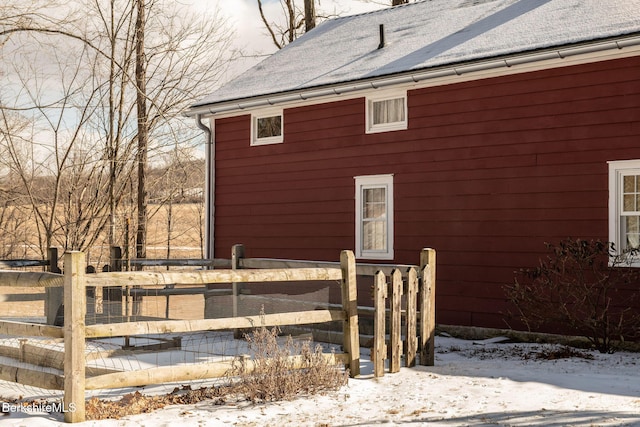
(280, 371)
(578, 287)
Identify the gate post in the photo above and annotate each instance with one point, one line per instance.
(427, 306)
(350, 330)
(412, 299)
(74, 337)
(379, 351)
(116, 258)
(395, 331)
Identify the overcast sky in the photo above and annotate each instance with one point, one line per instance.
(251, 35)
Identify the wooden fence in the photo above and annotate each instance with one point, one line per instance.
(52, 296)
(408, 286)
(416, 290)
(75, 377)
(75, 281)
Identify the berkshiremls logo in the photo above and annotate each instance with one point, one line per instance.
(34, 407)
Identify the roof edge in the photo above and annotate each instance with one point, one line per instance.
(416, 76)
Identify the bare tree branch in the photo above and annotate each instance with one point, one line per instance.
(267, 25)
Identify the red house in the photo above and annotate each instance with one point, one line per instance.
(481, 128)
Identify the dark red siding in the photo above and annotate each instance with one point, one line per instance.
(487, 172)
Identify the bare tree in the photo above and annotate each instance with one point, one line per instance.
(143, 128)
(178, 182)
(295, 19)
(309, 15)
(14, 219)
(183, 54)
(46, 172)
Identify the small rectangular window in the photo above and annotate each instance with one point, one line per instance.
(374, 217)
(386, 112)
(267, 128)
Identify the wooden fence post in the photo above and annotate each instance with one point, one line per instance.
(396, 321)
(237, 253)
(411, 319)
(116, 258)
(379, 351)
(53, 296)
(350, 306)
(52, 254)
(74, 337)
(427, 306)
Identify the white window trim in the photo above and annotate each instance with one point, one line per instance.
(254, 127)
(617, 169)
(383, 96)
(369, 181)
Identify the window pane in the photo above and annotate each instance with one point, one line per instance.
(374, 223)
(374, 236)
(388, 111)
(372, 195)
(632, 231)
(269, 126)
(629, 203)
(630, 194)
(374, 204)
(629, 184)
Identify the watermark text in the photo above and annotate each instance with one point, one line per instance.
(37, 407)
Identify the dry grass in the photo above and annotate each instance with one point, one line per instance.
(20, 239)
(274, 376)
(137, 403)
(185, 242)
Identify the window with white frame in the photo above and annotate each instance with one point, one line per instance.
(386, 111)
(267, 127)
(374, 217)
(624, 207)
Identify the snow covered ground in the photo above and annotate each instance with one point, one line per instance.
(473, 384)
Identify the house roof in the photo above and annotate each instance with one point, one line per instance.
(426, 35)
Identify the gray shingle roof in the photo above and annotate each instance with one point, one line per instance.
(428, 34)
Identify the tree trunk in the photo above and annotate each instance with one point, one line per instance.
(309, 15)
(143, 134)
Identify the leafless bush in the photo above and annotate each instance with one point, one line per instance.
(283, 371)
(579, 287)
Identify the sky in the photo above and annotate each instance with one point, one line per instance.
(251, 37)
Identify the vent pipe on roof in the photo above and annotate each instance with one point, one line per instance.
(381, 45)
